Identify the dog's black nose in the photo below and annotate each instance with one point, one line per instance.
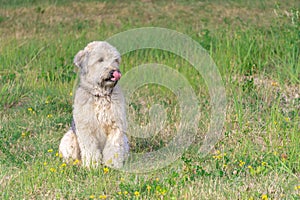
(115, 75)
(111, 73)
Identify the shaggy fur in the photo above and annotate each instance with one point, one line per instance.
(98, 110)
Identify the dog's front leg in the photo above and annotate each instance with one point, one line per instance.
(116, 149)
(90, 152)
(89, 144)
(87, 129)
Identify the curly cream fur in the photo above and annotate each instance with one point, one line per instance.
(98, 111)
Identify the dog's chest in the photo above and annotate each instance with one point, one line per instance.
(105, 115)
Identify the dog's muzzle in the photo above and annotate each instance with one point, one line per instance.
(114, 75)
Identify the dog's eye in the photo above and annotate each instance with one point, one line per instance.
(117, 61)
(101, 60)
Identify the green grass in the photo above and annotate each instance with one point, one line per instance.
(256, 46)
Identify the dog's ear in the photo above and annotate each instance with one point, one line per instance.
(79, 58)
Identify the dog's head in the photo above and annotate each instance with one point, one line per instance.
(99, 65)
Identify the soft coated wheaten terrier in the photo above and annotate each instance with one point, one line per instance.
(98, 133)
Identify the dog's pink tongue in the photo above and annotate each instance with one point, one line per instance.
(116, 76)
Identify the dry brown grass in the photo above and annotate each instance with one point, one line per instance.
(47, 20)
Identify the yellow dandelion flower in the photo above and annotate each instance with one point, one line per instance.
(157, 179)
(50, 150)
(136, 193)
(76, 162)
(119, 193)
(264, 197)
(125, 192)
(92, 196)
(217, 157)
(63, 165)
(241, 163)
(46, 102)
(23, 134)
(71, 93)
(45, 163)
(105, 170)
(297, 187)
(122, 179)
(287, 119)
(264, 164)
(52, 169)
(103, 197)
(148, 188)
(50, 116)
(163, 192)
(275, 122)
(30, 109)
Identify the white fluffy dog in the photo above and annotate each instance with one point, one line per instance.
(98, 133)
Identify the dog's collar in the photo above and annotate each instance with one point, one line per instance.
(102, 96)
(96, 93)
(105, 95)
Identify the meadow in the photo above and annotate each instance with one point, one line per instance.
(256, 47)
